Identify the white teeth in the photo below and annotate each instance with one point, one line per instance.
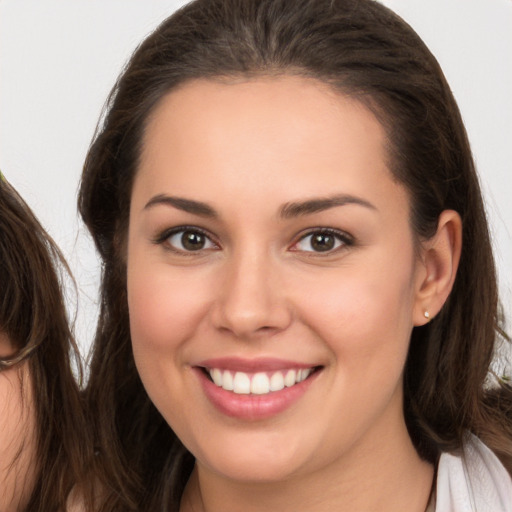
(260, 383)
(216, 376)
(277, 382)
(303, 374)
(227, 381)
(241, 383)
(290, 378)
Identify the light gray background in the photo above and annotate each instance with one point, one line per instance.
(59, 59)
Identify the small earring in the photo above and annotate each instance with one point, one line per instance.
(426, 315)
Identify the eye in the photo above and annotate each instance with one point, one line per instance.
(187, 240)
(322, 240)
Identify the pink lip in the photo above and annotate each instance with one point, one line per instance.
(252, 407)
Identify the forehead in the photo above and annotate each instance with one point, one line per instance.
(261, 135)
(271, 104)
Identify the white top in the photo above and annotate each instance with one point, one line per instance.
(473, 481)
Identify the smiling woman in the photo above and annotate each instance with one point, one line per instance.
(299, 302)
(287, 284)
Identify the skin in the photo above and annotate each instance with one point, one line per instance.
(17, 434)
(248, 149)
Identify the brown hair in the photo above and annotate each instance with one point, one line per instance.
(361, 49)
(34, 319)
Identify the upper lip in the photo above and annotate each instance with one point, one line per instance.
(263, 364)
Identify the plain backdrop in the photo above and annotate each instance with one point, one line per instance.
(59, 59)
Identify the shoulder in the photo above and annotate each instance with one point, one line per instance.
(473, 479)
(86, 497)
(75, 506)
(76, 502)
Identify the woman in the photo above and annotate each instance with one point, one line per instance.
(43, 441)
(299, 306)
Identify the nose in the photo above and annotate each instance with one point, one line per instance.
(251, 300)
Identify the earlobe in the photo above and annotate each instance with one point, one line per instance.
(440, 260)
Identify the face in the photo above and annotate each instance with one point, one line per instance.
(272, 276)
(17, 431)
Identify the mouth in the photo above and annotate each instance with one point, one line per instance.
(255, 389)
(258, 383)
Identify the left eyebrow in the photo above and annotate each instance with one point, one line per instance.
(315, 205)
(180, 203)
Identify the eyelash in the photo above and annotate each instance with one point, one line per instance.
(343, 239)
(163, 239)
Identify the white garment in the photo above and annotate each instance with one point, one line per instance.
(474, 481)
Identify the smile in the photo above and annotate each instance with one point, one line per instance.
(260, 383)
(254, 390)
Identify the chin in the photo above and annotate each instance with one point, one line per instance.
(253, 461)
(254, 471)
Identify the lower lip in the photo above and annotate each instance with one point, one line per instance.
(253, 407)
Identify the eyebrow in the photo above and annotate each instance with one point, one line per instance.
(288, 211)
(315, 205)
(186, 205)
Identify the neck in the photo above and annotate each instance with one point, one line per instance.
(384, 473)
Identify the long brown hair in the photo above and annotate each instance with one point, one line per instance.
(364, 50)
(34, 319)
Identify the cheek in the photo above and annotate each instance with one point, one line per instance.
(364, 312)
(166, 306)
(162, 318)
(160, 311)
(17, 428)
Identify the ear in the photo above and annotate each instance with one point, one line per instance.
(438, 265)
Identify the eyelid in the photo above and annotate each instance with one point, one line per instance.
(164, 236)
(345, 238)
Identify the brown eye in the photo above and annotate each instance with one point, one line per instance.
(189, 240)
(193, 241)
(322, 241)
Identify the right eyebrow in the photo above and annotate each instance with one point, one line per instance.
(186, 205)
(315, 205)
